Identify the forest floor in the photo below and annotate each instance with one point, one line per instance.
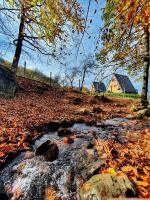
(37, 105)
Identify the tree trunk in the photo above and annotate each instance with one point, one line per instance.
(71, 83)
(20, 39)
(144, 99)
(82, 82)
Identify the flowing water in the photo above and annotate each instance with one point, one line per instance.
(28, 177)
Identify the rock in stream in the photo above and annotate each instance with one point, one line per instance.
(106, 186)
(49, 150)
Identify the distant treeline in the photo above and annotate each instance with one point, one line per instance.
(33, 74)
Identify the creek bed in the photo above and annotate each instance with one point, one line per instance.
(28, 176)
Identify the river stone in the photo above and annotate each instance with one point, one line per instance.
(105, 186)
(49, 150)
(130, 116)
(88, 163)
(8, 83)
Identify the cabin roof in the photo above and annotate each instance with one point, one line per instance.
(125, 83)
(99, 86)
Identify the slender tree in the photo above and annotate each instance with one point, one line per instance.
(146, 57)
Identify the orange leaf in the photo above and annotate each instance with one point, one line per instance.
(143, 192)
(2, 154)
(129, 169)
(49, 194)
(141, 183)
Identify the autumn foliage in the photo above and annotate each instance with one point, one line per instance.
(133, 12)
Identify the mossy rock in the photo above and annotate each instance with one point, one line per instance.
(105, 186)
(8, 82)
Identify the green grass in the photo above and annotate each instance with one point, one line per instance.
(123, 95)
(120, 95)
(110, 94)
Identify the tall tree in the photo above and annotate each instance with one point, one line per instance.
(42, 21)
(126, 37)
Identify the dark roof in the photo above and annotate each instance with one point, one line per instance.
(125, 83)
(99, 86)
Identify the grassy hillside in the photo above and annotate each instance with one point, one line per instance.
(33, 74)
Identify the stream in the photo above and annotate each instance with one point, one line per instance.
(28, 176)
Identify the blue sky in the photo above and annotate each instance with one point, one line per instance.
(87, 47)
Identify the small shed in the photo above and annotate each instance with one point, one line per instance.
(121, 84)
(98, 87)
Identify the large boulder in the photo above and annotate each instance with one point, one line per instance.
(107, 186)
(8, 83)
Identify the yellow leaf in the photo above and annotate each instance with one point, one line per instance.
(111, 171)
